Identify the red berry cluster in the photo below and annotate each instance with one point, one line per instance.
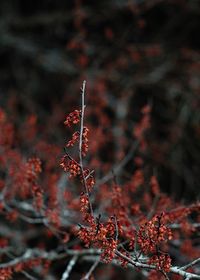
(73, 118)
(5, 273)
(161, 261)
(85, 235)
(84, 202)
(137, 180)
(89, 178)
(152, 233)
(75, 139)
(33, 168)
(38, 196)
(108, 247)
(144, 124)
(101, 235)
(71, 166)
(154, 185)
(85, 141)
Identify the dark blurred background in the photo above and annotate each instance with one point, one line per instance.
(131, 53)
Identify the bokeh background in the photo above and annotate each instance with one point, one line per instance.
(131, 53)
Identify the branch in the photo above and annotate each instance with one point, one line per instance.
(177, 226)
(80, 144)
(173, 269)
(87, 276)
(31, 254)
(190, 264)
(118, 167)
(185, 274)
(69, 268)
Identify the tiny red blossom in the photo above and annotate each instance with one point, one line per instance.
(71, 166)
(38, 196)
(154, 185)
(5, 273)
(109, 247)
(73, 118)
(84, 202)
(161, 261)
(75, 139)
(152, 234)
(85, 141)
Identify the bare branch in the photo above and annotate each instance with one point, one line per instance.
(118, 167)
(87, 276)
(190, 264)
(69, 268)
(80, 144)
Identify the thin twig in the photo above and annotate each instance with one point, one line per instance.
(178, 226)
(190, 264)
(69, 268)
(116, 229)
(165, 275)
(28, 275)
(87, 276)
(118, 167)
(80, 144)
(153, 208)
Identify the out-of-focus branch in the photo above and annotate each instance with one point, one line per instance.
(87, 276)
(69, 268)
(190, 264)
(118, 167)
(53, 60)
(31, 254)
